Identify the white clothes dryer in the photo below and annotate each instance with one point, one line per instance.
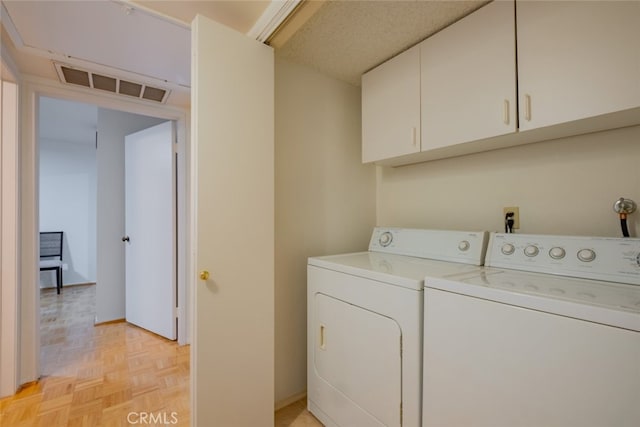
(364, 349)
(547, 334)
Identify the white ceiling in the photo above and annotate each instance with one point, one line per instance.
(109, 37)
(145, 42)
(106, 33)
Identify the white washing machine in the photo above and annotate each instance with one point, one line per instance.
(364, 317)
(548, 334)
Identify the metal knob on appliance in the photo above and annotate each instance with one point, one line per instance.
(125, 239)
(624, 206)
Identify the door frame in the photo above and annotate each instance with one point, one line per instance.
(32, 89)
(9, 236)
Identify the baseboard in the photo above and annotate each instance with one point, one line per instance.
(68, 285)
(110, 322)
(289, 400)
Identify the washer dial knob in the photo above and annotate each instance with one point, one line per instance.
(586, 255)
(464, 245)
(557, 252)
(385, 239)
(531, 250)
(508, 249)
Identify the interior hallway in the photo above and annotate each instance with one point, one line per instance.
(108, 375)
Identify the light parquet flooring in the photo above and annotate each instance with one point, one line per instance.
(105, 375)
(108, 375)
(296, 415)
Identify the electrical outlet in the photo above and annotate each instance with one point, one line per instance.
(516, 215)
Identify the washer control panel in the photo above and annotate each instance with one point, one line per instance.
(600, 258)
(467, 247)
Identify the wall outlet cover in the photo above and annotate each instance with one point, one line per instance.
(516, 215)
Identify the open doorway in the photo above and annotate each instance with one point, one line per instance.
(84, 342)
(29, 351)
(82, 192)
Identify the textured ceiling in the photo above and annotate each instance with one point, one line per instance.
(346, 38)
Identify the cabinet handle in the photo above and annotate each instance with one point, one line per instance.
(505, 112)
(414, 139)
(527, 107)
(322, 343)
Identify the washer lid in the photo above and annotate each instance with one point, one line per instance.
(399, 270)
(609, 303)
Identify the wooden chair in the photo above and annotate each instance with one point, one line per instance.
(51, 254)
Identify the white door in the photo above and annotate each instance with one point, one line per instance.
(233, 162)
(150, 230)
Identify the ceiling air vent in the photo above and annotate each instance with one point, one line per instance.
(76, 77)
(89, 79)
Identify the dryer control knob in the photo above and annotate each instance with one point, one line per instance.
(586, 255)
(464, 245)
(531, 250)
(385, 239)
(508, 249)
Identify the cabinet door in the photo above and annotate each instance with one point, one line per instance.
(391, 108)
(468, 81)
(576, 59)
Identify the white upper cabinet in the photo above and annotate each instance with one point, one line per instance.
(469, 79)
(576, 59)
(391, 108)
(574, 65)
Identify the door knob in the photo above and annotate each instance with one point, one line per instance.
(204, 275)
(125, 239)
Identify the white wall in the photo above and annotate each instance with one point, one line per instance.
(325, 201)
(113, 126)
(68, 203)
(565, 186)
